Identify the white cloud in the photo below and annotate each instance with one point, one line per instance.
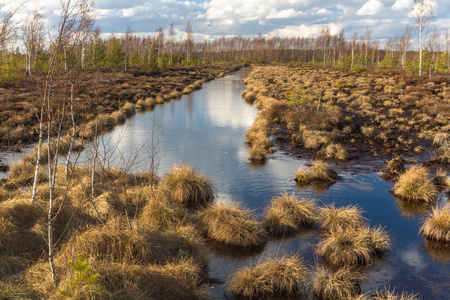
(285, 14)
(304, 30)
(401, 4)
(372, 7)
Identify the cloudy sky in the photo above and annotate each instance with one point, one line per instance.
(212, 18)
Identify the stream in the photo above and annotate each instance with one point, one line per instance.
(206, 130)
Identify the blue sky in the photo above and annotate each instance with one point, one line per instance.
(212, 18)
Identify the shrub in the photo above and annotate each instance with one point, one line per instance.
(187, 187)
(283, 277)
(414, 185)
(437, 226)
(231, 225)
(342, 284)
(287, 214)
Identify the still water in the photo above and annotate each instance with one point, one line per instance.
(206, 130)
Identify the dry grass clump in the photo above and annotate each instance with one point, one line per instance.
(128, 109)
(387, 294)
(319, 172)
(437, 226)
(181, 280)
(341, 284)
(188, 187)
(287, 214)
(394, 168)
(303, 176)
(162, 214)
(323, 172)
(281, 277)
(22, 173)
(334, 151)
(353, 247)
(231, 225)
(315, 139)
(442, 141)
(334, 218)
(440, 180)
(249, 97)
(257, 137)
(142, 245)
(415, 185)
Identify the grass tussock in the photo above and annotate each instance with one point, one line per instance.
(188, 187)
(163, 214)
(387, 294)
(303, 176)
(334, 218)
(341, 284)
(281, 277)
(415, 185)
(437, 226)
(334, 151)
(231, 225)
(180, 280)
(440, 180)
(287, 214)
(353, 247)
(323, 172)
(394, 168)
(143, 245)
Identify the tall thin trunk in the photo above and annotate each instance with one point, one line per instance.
(38, 159)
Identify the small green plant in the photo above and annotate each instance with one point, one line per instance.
(84, 283)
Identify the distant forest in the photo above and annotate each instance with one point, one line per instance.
(79, 44)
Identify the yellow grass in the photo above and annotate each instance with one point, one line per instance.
(437, 226)
(415, 185)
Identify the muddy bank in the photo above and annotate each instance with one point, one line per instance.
(370, 115)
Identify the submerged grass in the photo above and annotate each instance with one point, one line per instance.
(281, 277)
(231, 225)
(287, 214)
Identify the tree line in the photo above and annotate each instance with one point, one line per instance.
(161, 49)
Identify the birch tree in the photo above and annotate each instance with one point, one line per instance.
(423, 14)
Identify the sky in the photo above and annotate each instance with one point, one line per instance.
(285, 18)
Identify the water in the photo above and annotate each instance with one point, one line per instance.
(206, 130)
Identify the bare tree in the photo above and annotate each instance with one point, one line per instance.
(189, 41)
(127, 44)
(170, 42)
(159, 36)
(423, 13)
(33, 37)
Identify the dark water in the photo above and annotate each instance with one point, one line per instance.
(207, 131)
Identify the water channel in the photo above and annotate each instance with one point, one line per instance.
(206, 130)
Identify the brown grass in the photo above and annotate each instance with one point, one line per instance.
(341, 284)
(281, 277)
(334, 218)
(231, 225)
(187, 187)
(287, 214)
(353, 247)
(323, 172)
(143, 245)
(415, 185)
(437, 226)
